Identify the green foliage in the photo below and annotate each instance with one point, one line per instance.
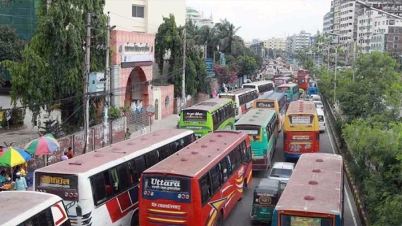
(113, 112)
(247, 64)
(16, 120)
(377, 149)
(52, 64)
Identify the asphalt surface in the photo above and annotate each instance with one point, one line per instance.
(240, 215)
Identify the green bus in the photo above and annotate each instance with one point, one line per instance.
(261, 126)
(208, 116)
(291, 90)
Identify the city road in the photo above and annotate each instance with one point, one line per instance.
(240, 215)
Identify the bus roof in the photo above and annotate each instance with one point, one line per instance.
(115, 152)
(256, 117)
(209, 105)
(301, 107)
(238, 91)
(318, 191)
(194, 159)
(271, 96)
(259, 83)
(18, 206)
(288, 85)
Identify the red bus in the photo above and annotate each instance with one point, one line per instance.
(200, 184)
(314, 194)
(303, 79)
(301, 129)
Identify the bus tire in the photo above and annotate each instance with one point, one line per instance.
(219, 222)
(135, 219)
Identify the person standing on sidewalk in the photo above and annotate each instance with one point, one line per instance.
(70, 153)
(143, 130)
(64, 156)
(20, 183)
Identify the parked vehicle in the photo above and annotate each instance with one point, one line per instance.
(266, 195)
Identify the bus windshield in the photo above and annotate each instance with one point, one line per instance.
(194, 115)
(287, 220)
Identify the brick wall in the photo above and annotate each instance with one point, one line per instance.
(166, 102)
(117, 129)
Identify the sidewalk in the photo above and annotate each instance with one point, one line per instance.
(169, 122)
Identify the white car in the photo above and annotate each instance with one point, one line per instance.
(281, 171)
(319, 105)
(321, 120)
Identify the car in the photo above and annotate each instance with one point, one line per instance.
(281, 171)
(315, 97)
(321, 120)
(318, 104)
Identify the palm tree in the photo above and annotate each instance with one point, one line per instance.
(208, 36)
(227, 33)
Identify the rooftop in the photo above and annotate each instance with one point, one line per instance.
(301, 107)
(194, 159)
(256, 117)
(209, 104)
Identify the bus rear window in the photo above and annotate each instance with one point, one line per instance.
(287, 220)
(166, 183)
(249, 86)
(194, 116)
(283, 89)
(301, 119)
(320, 118)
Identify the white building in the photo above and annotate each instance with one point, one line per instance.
(328, 23)
(373, 28)
(300, 41)
(336, 5)
(144, 16)
(275, 43)
(248, 43)
(348, 23)
(198, 18)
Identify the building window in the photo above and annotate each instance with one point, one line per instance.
(395, 46)
(392, 22)
(138, 11)
(167, 102)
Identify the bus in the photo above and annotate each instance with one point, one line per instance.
(261, 125)
(208, 116)
(101, 187)
(200, 184)
(243, 99)
(301, 131)
(314, 194)
(22, 208)
(282, 80)
(302, 73)
(276, 101)
(261, 86)
(290, 90)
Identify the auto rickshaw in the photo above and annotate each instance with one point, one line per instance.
(266, 195)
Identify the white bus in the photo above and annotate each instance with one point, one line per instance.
(28, 208)
(101, 187)
(261, 86)
(243, 98)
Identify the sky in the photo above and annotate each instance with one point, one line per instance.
(263, 19)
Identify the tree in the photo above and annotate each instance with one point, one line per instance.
(227, 33)
(226, 74)
(52, 63)
(207, 35)
(247, 64)
(10, 47)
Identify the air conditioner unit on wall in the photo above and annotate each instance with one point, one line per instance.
(96, 82)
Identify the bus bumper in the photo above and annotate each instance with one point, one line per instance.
(260, 164)
(291, 156)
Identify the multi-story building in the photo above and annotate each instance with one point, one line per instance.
(289, 44)
(328, 24)
(198, 18)
(393, 40)
(275, 43)
(337, 13)
(133, 45)
(300, 41)
(348, 23)
(258, 48)
(145, 15)
(248, 43)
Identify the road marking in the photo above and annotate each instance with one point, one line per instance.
(344, 187)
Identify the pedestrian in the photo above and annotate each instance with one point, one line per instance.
(15, 171)
(2, 176)
(143, 130)
(64, 156)
(70, 153)
(128, 134)
(20, 183)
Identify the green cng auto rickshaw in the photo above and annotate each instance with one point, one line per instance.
(266, 195)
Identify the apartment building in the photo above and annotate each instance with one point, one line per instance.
(337, 12)
(328, 24)
(300, 41)
(198, 18)
(348, 23)
(144, 16)
(289, 44)
(275, 43)
(393, 40)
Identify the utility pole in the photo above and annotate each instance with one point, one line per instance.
(107, 85)
(86, 81)
(183, 84)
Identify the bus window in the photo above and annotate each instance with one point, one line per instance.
(206, 188)
(134, 175)
(123, 177)
(225, 169)
(101, 187)
(44, 218)
(216, 179)
(151, 158)
(140, 164)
